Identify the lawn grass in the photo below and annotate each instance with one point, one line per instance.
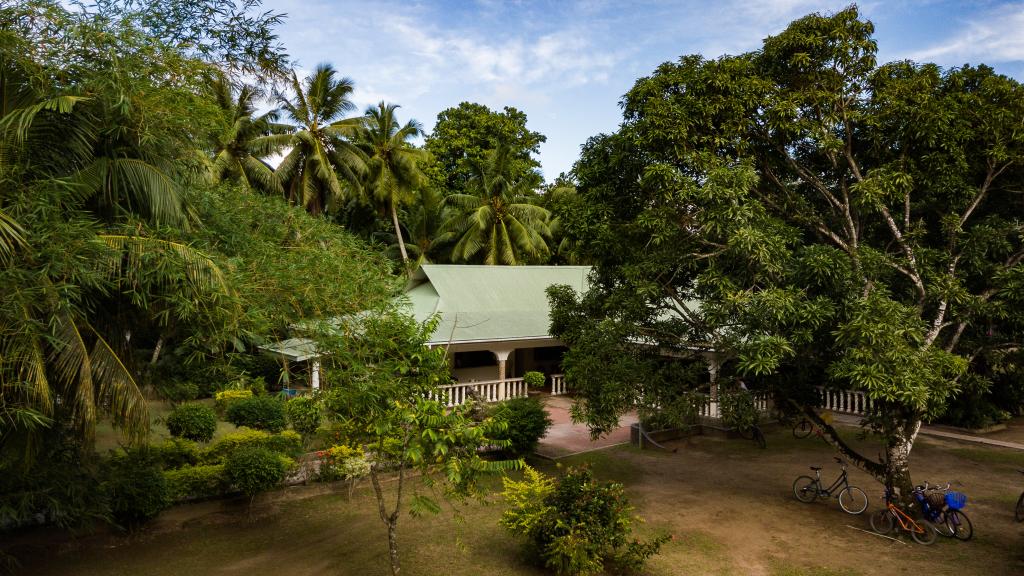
(728, 504)
(109, 438)
(998, 456)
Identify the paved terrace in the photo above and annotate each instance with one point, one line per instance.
(565, 438)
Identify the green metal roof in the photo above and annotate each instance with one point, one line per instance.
(488, 303)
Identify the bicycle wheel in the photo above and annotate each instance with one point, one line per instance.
(928, 536)
(1018, 513)
(959, 525)
(882, 521)
(853, 500)
(802, 429)
(759, 438)
(805, 489)
(942, 525)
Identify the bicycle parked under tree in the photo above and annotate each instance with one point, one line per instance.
(852, 499)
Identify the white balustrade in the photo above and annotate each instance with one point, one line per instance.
(558, 386)
(459, 393)
(708, 408)
(845, 401)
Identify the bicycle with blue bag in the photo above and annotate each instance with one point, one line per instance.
(944, 508)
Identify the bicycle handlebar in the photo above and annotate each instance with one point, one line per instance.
(840, 461)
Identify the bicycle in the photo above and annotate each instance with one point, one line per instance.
(1018, 512)
(885, 520)
(944, 509)
(754, 433)
(805, 427)
(852, 499)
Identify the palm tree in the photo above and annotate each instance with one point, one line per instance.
(496, 223)
(393, 170)
(245, 139)
(320, 151)
(423, 220)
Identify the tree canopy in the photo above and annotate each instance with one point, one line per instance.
(463, 135)
(811, 214)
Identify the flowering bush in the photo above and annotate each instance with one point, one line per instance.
(342, 462)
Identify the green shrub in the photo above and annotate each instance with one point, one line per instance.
(61, 486)
(527, 423)
(194, 482)
(224, 398)
(175, 453)
(738, 410)
(305, 414)
(256, 469)
(178, 391)
(192, 422)
(259, 412)
(137, 487)
(574, 524)
(287, 442)
(534, 379)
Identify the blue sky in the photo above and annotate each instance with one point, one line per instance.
(567, 63)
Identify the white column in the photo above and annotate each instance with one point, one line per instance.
(502, 357)
(713, 366)
(315, 376)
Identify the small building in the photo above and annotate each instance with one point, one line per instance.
(493, 322)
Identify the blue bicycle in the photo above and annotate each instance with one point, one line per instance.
(944, 509)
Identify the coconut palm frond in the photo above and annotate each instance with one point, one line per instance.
(118, 390)
(16, 124)
(132, 254)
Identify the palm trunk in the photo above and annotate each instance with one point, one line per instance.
(401, 242)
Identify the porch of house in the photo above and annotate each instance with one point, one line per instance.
(494, 371)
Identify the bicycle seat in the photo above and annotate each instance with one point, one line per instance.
(815, 468)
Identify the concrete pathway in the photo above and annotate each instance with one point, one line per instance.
(565, 438)
(926, 430)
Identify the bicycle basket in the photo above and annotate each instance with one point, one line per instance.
(936, 499)
(956, 500)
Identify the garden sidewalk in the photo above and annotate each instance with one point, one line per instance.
(933, 431)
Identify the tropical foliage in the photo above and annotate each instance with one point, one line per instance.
(393, 163)
(323, 168)
(839, 222)
(496, 223)
(245, 138)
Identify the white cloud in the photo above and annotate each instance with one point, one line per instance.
(996, 36)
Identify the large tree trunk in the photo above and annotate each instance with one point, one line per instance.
(897, 457)
(894, 470)
(401, 242)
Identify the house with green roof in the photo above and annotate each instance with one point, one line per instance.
(493, 322)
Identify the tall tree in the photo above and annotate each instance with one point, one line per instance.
(463, 135)
(393, 171)
(321, 150)
(77, 162)
(244, 138)
(423, 221)
(813, 214)
(496, 223)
